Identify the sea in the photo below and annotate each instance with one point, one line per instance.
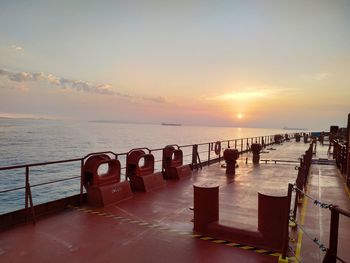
(27, 141)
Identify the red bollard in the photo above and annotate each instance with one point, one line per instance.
(256, 148)
(142, 177)
(231, 156)
(172, 163)
(206, 207)
(104, 189)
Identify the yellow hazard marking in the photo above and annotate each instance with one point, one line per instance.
(232, 244)
(247, 248)
(206, 238)
(275, 254)
(347, 190)
(261, 251)
(219, 241)
(300, 233)
(179, 232)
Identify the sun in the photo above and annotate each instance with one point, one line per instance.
(239, 116)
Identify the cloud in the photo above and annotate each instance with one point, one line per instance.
(252, 93)
(317, 76)
(60, 82)
(240, 95)
(79, 85)
(17, 48)
(157, 99)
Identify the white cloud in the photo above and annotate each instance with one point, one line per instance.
(80, 85)
(317, 76)
(17, 48)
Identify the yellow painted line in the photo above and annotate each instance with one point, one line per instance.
(110, 216)
(143, 224)
(275, 254)
(219, 241)
(300, 233)
(247, 247)
(206, 238)
(102, 214)
(347, 190)
(179, 232)
(261, 250)
(231, 244)
(134, 222)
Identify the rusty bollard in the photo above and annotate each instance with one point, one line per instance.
(297, 137)
(230, 156)
(256, 148)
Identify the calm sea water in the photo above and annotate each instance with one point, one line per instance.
(30, 141)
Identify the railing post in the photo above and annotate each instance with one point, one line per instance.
(241, 145)
(209, 149)
(26, 190)
(28, 197)
(81, 182)
(331, 255)
(235, 144)
(194, 156)
(286, 226)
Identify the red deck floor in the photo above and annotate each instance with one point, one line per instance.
(157, 227)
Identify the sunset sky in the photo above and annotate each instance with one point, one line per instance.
(232, 63)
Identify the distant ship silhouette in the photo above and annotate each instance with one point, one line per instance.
(300, 129)
(171, 124)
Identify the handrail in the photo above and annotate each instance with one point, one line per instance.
(39, 164)
(331, 255)
(268, 139)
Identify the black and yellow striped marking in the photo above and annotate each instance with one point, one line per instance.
(178, 232)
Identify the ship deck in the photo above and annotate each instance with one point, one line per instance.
(157, 226)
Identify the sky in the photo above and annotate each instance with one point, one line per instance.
(222, 63)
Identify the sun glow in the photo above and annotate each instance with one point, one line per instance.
(239, 96)
(239, 116)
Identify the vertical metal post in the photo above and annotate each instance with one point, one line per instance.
(331, 255)
(241, 145)
(194, 155)
(348, 154)
(26, 191)
(235, 144)
(209, 154)
(81, 182)
(286, 225)
(28, 197)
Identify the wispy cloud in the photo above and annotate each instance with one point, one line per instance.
(240, 95)
(157, 99)
(17, 48)
(79, 85)
(320, 76)
(60, 82)
(246, 94)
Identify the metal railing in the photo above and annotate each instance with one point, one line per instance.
(204, 155)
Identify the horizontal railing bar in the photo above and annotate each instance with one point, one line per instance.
(13, 189)
(117, 154)
(56, 181)
(281, 161)
(157, 149)
(94, 153)
(341, 211)
(38, 164)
